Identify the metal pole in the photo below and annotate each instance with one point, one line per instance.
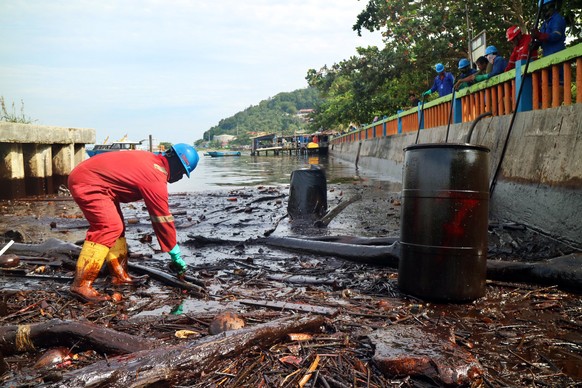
(469, 36)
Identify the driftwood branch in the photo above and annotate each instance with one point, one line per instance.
(330, 215)
(22, 273)
(22, 338)
(168, 279)
(306, 308)
(304, 279)
(176, 364)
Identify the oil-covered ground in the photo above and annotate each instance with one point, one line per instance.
(361, 331)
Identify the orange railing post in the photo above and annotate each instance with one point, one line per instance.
(507, 97)
(535, 86)
(556, 86)
(567, 84)
(545, 89)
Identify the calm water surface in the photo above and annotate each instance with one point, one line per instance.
(242, 171)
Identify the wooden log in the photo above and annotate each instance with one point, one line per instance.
(404, 350)
(330, 215)
(167, 366)
(82, 335)
(304, 279)
(196, 289)
(306, 308)
(22, 273)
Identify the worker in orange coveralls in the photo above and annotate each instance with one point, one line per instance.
(99, 184)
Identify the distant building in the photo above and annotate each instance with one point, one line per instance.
(303, 114)
(224, 139)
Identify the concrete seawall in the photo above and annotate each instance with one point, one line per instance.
(540, 180)
(36, 159)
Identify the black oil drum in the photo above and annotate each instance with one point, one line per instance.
(308, 194)
(443, 222)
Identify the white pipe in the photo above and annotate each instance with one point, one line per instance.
(6, 247)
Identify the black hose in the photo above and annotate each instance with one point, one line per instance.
(450, 115)
(482, 115)
(529, 52)
(420, 119)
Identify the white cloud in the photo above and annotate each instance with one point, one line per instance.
(121, 65)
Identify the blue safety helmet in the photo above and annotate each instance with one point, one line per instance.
(439, 67)
(464, 63)
(187, 155)
(544, 2)
(490, 50)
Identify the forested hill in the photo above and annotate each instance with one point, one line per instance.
(274, 115)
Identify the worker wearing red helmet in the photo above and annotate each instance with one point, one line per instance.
(100, 184)
(521, 43)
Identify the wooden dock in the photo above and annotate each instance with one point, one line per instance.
(291, 145)
(282, 151)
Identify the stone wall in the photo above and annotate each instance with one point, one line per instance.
(37, 159)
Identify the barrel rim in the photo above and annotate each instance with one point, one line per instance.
(447, 145)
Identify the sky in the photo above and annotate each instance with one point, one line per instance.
(167, 68)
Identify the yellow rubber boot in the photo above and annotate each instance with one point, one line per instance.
(89, 264)
(117, 263)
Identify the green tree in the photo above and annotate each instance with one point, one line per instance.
(274, 115)
(166, 145)
(417, 35)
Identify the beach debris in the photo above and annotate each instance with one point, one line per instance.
(291, 306)
(116, 297)
(55, 332)
(54, 358)
(399, 352)
(225, 321)
(9, 261)
(169, 279)
(183, 334)
(189, 359)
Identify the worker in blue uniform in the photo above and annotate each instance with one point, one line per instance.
(552, 33)
(443, 82)
(499, 63)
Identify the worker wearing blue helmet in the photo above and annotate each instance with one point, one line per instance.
(552, 33)
(465, 71)
(499, 64)
(443, 82)
(99, 185)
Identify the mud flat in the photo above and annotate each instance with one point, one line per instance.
(308, 319)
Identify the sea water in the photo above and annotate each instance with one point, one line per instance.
(231, 172)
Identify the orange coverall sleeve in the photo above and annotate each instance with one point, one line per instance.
(156, 201)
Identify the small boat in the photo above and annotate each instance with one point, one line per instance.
(114, 146)
(123, 145)
(217, 154)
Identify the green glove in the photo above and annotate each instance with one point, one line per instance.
(427, 93)
(177, 264)
(481, 77)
